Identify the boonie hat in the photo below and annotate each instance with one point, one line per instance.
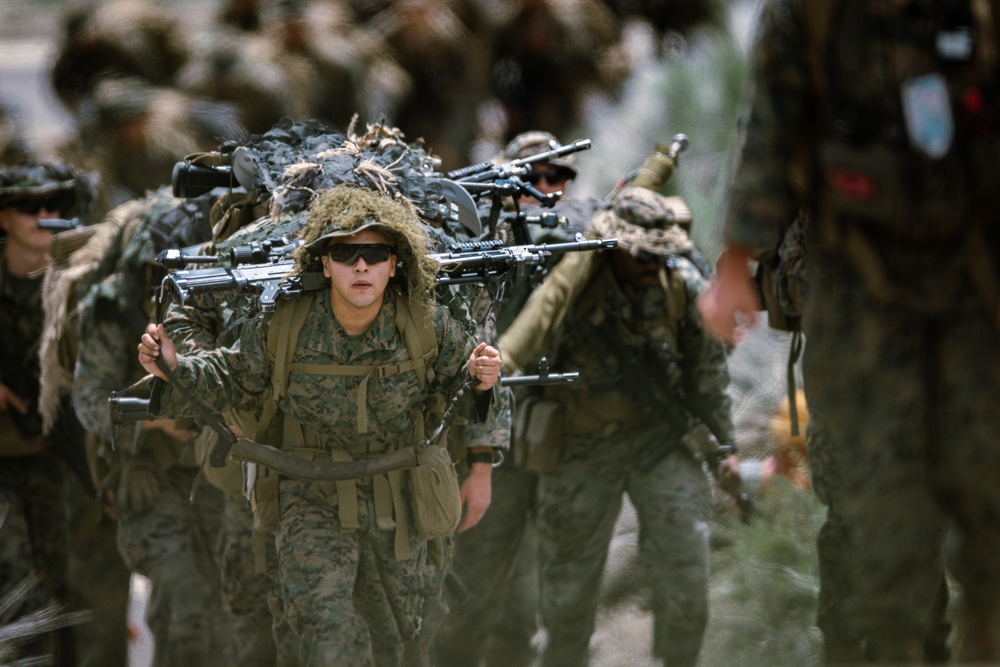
(39, 181)
(644, 221)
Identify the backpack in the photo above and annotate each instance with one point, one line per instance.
(433, 484)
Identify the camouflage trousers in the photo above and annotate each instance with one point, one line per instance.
(496, 560)
(97, 581)
(172, 544)
(245, 592)
(909, 405)
(33, 535)
(345, 597)
(841, 644)
(579, 504)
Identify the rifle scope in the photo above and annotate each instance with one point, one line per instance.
(191, 180)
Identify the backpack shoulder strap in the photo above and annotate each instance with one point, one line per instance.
(417, 330)
(286, 323)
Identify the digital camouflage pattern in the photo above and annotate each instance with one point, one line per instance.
(496, 560)
(643, 221)
(308, 540)
(638, 349)
(161, 533)
(245, 592)
(902, 371)
(31, 486)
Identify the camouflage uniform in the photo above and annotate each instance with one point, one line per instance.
(351, 595)
(162, 533)
(903, 354)
(247, 594)
(33, 461)
(640, 350)
(497, 559)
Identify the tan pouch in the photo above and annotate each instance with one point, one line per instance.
(437, 504)
(13, 443)
(537, 435)
(264, 500)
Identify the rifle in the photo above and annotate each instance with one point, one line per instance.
(489, 171)
(274, 280)
(662, 394)
(505, 180)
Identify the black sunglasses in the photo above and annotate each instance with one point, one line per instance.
(348, 253)
(33, 206)
(643, 257)
(554, 176)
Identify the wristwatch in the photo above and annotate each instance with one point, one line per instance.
(478, 457)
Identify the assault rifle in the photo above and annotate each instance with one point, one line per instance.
(274, 280)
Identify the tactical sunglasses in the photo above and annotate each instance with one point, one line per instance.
(33, 206)
(348, 253)
(554, 176)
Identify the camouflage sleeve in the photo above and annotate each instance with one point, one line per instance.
(455, 345)
(213, 380)
(762, 200)
(195, 325)
(705, 375)
(106, 362)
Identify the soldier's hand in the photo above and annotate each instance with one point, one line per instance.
(729, 304)
(139, 486)
(484, 365)
(155, 345)
(11, 401)
(728, 475)
(476, 494)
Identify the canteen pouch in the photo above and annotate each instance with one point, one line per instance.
(437, 504)
(538, 429)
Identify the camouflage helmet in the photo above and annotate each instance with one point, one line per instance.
(643, 221)
(531, 143)
(345, 210)
(73, 190)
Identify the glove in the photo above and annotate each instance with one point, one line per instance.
(139, 486)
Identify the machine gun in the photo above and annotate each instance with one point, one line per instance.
(485, 261)
(508, 179)
(274, 279)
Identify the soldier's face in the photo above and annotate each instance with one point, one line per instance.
(547, 178)
(641, 272)
(359, 285)
(20, 222)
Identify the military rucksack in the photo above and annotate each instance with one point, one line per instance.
(433, 484)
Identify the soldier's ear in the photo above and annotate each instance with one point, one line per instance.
(325, 259)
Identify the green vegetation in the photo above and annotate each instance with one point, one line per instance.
(765, 583)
